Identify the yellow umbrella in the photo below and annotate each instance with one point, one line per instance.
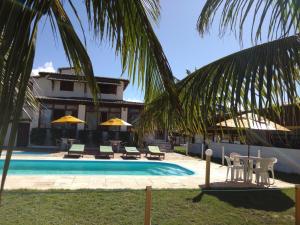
(253, 122)
(115, 122)
(68, 119)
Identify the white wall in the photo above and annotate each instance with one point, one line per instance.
(81, 115)
(288, 159)
(43, 87)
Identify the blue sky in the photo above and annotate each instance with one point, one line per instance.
(183, 46)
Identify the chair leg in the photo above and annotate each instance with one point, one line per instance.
(232, 174)
(273, 176)
(227, 173)
(257, 178)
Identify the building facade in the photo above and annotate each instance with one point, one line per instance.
(65, 93)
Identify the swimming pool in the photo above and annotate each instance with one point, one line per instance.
(97, 167)
(28, 153)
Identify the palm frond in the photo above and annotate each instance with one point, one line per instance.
(17, 47)
(254, 79)
(280, 17)
(258, 80)
(126, 25)
(75, 50)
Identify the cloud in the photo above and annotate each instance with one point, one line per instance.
(134, 100)
(47, 67)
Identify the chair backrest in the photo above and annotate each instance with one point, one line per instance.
(228, 160)
(232, 154)
(273, 161)
(265, 163)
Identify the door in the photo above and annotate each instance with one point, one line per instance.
(23, 134)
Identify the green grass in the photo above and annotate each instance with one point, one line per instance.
(170, 207)
(180, 150)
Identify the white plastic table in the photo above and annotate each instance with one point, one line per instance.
(248, 166)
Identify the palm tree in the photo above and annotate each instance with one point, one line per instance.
(262, 77)
(126, 25)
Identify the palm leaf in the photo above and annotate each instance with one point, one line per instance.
(258, 80)
(281, 17)
(126, 25)
(253, 80)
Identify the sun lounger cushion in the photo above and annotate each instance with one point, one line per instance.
(106, 149)
(76, 148)
(154, 149)
(131, 149)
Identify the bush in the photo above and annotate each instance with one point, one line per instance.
(180, 149)
(38, 136)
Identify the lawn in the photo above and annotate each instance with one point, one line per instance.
(127, 207)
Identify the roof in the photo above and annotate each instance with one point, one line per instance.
(79, 78)
(252, 121)
(76, 100)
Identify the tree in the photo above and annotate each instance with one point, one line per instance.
(261, 77)
(125, 24)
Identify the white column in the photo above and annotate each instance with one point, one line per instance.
(124, 116)
(81, 115)
(223, 155)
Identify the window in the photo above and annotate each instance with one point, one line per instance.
(66, 86)
(108, 88)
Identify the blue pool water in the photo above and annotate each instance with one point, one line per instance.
(97, 167)
(28, 153)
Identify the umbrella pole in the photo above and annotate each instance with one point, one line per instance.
(248, 151)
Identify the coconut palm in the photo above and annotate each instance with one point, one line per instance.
(126, 25)
(254, 79)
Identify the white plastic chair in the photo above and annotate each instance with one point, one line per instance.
(234, 169)
(233, 154)
(262, 173)
(271, 168)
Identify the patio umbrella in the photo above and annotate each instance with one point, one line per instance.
(67, 120)
(115, 122)
(252, 121)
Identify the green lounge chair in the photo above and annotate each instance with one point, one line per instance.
(131, 151)
(106, 151)
(76, 149)
(154, 151)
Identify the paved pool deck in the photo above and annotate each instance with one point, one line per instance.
(42, 182)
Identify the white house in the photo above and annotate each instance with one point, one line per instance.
(65, 93)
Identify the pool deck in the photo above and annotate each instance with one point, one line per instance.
(42, 182)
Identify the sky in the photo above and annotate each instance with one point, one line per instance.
(182, 44)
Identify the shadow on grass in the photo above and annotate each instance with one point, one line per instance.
(287, 177)
(268, 200)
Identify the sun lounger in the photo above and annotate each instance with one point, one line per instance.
(131, 151)
(76, 149)
(105, 151)
(154, 151)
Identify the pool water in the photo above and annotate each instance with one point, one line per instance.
(97, 167)
(28, 153)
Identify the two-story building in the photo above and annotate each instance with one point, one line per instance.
(65, 93)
